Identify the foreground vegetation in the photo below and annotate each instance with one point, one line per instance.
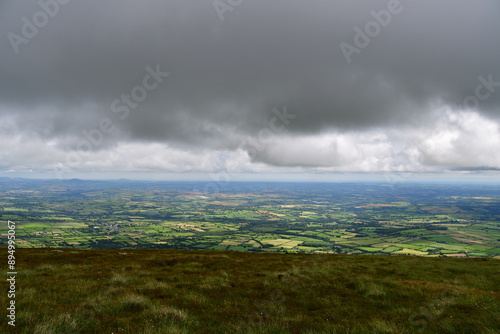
(180, 291)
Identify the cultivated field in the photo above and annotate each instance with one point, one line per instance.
(423, 220)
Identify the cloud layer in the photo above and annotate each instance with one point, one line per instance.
(420, 93)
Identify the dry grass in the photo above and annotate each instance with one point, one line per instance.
(172, 291)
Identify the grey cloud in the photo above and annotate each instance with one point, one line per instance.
(226, 77)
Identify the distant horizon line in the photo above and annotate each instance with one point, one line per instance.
(410, 180)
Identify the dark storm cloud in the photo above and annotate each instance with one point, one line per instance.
(226, 76)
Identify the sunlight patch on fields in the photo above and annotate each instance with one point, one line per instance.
(230, 243)
(285, 243)
(410, 251)
(348, 236)
(72, 225)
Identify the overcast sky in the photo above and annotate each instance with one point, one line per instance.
(252, 87)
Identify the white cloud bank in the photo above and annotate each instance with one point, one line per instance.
(449, 141)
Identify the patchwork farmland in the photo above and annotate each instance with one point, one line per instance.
(379, 219)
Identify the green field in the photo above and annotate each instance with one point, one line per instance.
(422, 220)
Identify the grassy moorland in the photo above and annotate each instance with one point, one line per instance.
(182, 291)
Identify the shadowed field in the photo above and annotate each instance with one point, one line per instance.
(178, 291)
